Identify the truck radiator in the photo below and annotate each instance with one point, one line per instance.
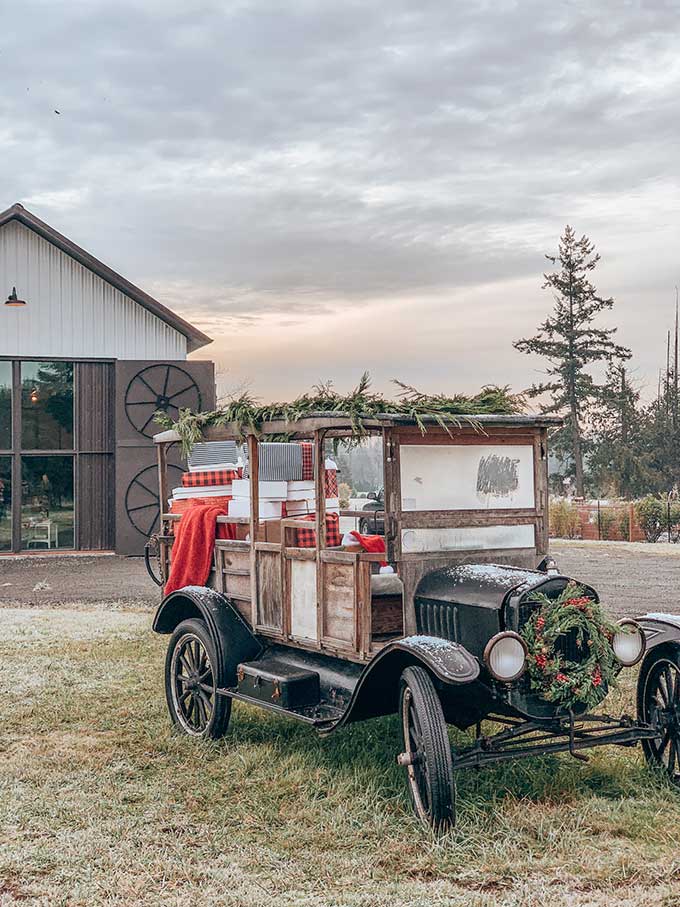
(436, 619)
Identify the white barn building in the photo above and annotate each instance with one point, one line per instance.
(86, 359)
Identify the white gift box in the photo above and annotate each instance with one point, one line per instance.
(270, 491)
(201, 491)
(268, 510)
(213, 468)
(294, 508)
(301, 491)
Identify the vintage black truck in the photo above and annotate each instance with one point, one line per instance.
(476, 627)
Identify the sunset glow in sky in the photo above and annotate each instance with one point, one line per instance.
(330, 187)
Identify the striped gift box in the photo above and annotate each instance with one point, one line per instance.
(209, 477)
(210, 453)
(279, 461)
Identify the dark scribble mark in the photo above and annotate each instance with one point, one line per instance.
(497, 475)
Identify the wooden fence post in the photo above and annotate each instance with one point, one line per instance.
(631, 517)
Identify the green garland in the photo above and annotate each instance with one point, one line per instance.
(361, 404)
(571, 684)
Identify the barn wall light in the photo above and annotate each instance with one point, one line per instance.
(13, 299)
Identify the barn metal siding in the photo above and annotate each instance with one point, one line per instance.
(94, 411)
(96, 502)
(95, 418)
(71, 312)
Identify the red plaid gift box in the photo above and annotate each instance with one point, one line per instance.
(306, 538)
(307, 462)
(209, 477)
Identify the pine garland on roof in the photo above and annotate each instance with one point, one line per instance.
(248, 415)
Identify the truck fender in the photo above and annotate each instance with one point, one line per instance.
(233, 639)
(377, 689)
(660, 629)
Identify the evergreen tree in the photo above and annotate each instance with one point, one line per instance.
(660, 430)
(571, 343)
(617, 461)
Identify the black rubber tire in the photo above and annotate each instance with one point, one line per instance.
(364, 528)
(194, 633)
(661, 664)
(430, 780)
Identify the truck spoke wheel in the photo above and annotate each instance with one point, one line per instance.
(659, 705)
(191, 683)
(427, 750)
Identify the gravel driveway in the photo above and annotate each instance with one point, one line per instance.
(631, 578)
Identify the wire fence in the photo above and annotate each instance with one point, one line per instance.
(651, 519)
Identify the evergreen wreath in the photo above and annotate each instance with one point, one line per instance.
(570, 684)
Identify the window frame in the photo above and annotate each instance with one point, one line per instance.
(16, 452)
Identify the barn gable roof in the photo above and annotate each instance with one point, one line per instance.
(195, 338)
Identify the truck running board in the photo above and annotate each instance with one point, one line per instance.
(317, 715)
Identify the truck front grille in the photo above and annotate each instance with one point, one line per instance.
(524, 611)
(567, 646)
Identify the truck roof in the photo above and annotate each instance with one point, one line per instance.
(311, 422)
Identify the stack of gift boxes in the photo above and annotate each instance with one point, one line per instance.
(286, 481)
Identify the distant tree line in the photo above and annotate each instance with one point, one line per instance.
(612, 444)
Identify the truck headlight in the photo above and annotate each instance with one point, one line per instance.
(629, 643)
(505, 656)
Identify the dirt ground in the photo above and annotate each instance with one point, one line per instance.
(76, 582)
(630, 578)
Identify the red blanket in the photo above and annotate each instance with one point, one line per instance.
(375, 543)
(192, 551)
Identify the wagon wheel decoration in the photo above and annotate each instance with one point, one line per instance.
(142, 501)
(159, 387)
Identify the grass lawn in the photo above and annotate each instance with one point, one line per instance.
(102, 804)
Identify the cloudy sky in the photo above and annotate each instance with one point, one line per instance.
(326, 187)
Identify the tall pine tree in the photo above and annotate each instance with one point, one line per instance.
(571, 343)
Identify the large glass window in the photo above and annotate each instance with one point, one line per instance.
(5, 503)
(5, 405)
(47, 405)
(47, 514)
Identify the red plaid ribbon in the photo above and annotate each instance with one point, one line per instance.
(209, 477)
(331, 483)
(307, 462)
(306, 538)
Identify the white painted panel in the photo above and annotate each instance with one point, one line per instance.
(303, 599)
(71, 312)
(478, 538)
(466, 476)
